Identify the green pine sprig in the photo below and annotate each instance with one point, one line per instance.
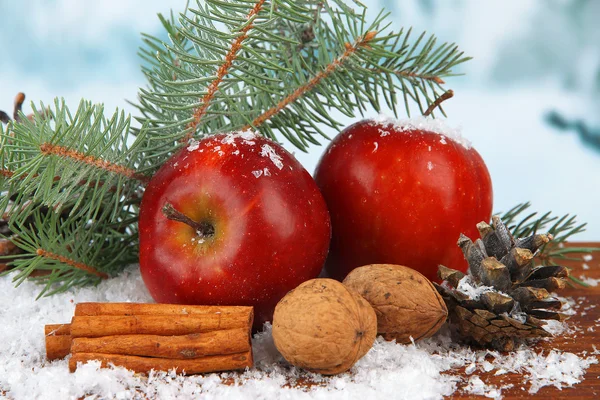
(265, 72)
(522, 223)
(82, 161)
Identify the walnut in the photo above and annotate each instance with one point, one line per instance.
(406, 303)
(323, 326)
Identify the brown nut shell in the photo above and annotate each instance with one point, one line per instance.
(406, 303)
(324, 327)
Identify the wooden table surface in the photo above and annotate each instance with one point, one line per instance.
(579, 342)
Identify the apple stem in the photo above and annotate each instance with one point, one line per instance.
(438, 102)
(203, 229)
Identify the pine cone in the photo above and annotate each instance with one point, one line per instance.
(503, 298)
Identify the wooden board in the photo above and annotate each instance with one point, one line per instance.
(587, 336)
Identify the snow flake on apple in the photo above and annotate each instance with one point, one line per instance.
(435, 125)
(258, 173)
(217, 149)
(247, 137)
(268, 151)
(429, 165)
(229, 139)
(194, 145)
(376, 147)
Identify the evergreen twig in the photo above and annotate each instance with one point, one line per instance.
(222, 71)
(329, 69)
(522, 224)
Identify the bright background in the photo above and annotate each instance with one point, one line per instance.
(530, 58)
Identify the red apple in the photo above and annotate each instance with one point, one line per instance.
(232, 220)
(401, 195)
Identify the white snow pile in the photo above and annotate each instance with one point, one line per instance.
(429, 369)
(436, 125)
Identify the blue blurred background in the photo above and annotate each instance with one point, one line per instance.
(529, 100)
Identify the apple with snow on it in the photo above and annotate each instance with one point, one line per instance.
(232, 220)
(402, 193)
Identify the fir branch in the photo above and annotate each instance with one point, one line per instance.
(417, 75)
(82, 161)
(70, 262)
(61, 251)
(284, 80)
(222, 71)
(61, 151)
(329, 69)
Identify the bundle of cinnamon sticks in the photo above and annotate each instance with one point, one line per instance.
(143, 337)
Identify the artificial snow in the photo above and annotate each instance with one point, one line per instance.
(383, 132)
(472, 289)
(554, 327)
(436, 125)
(429, 369)
(589, 281)
(588, 257)
(194, 145)
(247, 137)
(268, 151)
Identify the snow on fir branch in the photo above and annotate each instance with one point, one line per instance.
(72, 182)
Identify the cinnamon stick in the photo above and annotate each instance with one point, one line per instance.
(93, 309)
(164, 325)
(142, 337)
(176, 347)
(57, 329)
(58, 341)
(137, 364)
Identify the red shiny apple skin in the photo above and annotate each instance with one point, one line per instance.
(401, 197)
(271, 232)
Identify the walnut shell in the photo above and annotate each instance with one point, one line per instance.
(406, 303)
(324, 327)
